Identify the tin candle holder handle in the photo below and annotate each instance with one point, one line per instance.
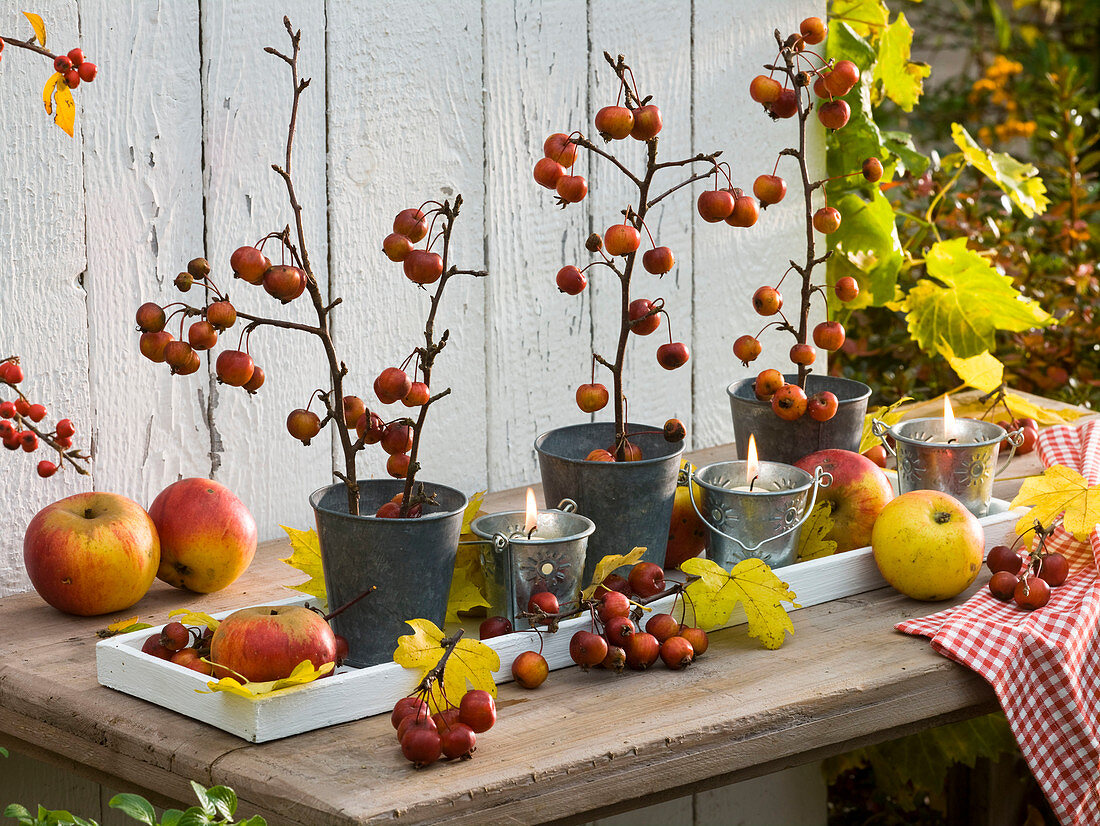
(1015, 438)
(822, 479)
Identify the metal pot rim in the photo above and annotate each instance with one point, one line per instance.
(908, 440)
(317, 495)
(675, 449)
(801, 488)
(859, 390)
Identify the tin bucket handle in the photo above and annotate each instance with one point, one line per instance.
(566, 506)
(1015, 439)
(822, 478)
(880, 428)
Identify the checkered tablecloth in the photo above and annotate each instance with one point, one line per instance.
(1044, 665)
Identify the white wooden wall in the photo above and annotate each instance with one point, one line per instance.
(409, 101)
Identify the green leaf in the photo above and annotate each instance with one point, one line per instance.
(866, 247)
(195, 816)
(205, 802)
(171, 817)
(974, 302)
(224, 799)
(914, 767)
(902, 80)
(864, 16)
(17, 812)
(1020, 181)
(136, 807)
(255, 820)
(3, 752)
(907, 158)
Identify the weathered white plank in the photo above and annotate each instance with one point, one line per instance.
(143, 179)
(43, 316)
(405, 126)
(731, 46)
(246, 103)
(539, 340)
(657, 45)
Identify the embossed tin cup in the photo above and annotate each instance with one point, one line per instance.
(516, 566)
(961, 462)
(762, 522)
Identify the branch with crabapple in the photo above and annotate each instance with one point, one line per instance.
(21, 425)
(803, 75)
(632, 116)
(288, 280)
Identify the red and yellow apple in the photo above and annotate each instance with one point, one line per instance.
(857, 494)
(207, 535)
(928, 545)
(267, 642)
(92, 553)
(687, 534)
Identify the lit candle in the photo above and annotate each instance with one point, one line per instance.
(948, 420)
(531, 518)
(752, 469)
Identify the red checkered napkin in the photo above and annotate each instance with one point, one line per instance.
(1044, 665)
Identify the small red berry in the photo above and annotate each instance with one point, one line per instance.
(46, 468)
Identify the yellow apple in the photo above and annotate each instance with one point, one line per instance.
(928, 545)
(92, 553)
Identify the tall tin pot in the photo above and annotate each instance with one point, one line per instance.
(411, 562)
(629, 502)
(782, 441)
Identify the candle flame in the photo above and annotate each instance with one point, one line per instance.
(532, 517)
(752, 464)
(948, 419)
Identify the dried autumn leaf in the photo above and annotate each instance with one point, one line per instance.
(48, 90)
(123, 626)
(890, 415)
(304, 672)
(812, 543)
(306, 557)
(38, 26)
(1063, 492)
(468, 582)
(196, 618)
(751, 583)
(607, 565)
(470, 665)
(66, 108)
(473, 508)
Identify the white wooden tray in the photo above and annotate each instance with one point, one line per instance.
(351, 693)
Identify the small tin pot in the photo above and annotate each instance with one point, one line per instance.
(761, 523)
(517, 566)
(962, 464)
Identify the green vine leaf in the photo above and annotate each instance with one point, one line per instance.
(973, 302)
(866, 247)
(901, 79)
(863, 16)
(1020, 181)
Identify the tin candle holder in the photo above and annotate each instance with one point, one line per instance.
(518, 564)
(743, 518)
(958, 457)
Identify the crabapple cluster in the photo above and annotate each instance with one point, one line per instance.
(1025, 580)
(631, 116)
(74, 68)
(802, 70)
(1029, 430)
(450, 733)
(21, 428)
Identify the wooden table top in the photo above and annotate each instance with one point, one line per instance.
(844, 679)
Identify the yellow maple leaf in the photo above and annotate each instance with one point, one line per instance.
(607, 565)
(889, 414)
(303, 673)
(189, 617)
(470, 665)
(306, 557)
(982, 372)
(38, 26)
(812, 543)
(473, 510)
(751, 582)
(1059, 492)
(468, 581)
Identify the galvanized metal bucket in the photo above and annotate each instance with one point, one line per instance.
(961, 463)
(630, 502)
(762, 522)
(782, 441)
(411, 562)
(517, 565)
